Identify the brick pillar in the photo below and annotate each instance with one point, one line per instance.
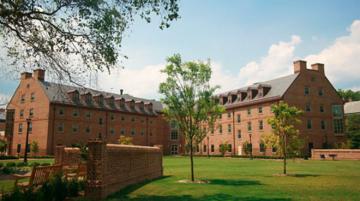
(161, 158)
(96, 169)
(59, 154)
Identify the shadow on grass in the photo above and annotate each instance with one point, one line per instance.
(303, 175)
(214, 197)
(230, 182)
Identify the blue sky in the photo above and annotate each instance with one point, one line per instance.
(235, 35)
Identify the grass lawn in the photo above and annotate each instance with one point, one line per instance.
(244, 179)
(7, 184)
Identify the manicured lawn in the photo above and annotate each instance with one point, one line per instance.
(243, 179)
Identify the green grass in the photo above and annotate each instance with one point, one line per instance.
(8, 184)
(244, 179)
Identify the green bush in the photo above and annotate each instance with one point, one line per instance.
(21, 164)
(35, 164)
(4, 157)
(73, 188)
(8, 170)
(11, 164)
(1, 165)
(45, 164)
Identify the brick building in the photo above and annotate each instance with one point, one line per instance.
(248, 108)
(67, 115)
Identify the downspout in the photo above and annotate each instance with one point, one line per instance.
(233, 114)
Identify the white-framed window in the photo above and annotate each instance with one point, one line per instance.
(75, 128)
(261, 125)
(174, 135)
(21, 113)
(239, 134)
(174, 149)
(20, 129)
(31, 112)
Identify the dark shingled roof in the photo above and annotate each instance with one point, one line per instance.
(58, 93)
(277, 90)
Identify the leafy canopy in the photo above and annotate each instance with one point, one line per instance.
(349, 95)
(353, 130)
(73, 36)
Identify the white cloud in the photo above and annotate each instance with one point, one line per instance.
(4, 98)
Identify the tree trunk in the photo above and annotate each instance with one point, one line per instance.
(192, 162)
(284, 151)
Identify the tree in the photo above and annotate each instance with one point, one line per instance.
(349, 95)
(47, 32)
(283, 124)
(34, 147)
(125, 140)
(189, 100)
(353, 130)
(224, 147)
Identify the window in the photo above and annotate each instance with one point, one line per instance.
(337, 111)
(132, 132)
(274, 149)
(31, 112)
(173, 125)
(28, 86)
(322, 125)
(204, 148)
(28, 148)
(150, 121)
(174, 149)
(142, 132)
(112, 131)
(18, 149)
(229, 128)
(321, 92)
(88, 99)
(61, 111)
(261, 125)
(60, 127)
(212, 130)
(249, 126)
(133, 119)
(212, 148)
(322, 108)
(262, 147)
(229, 148)
(75, 128)
(32, 97)
(22, 98)
(220, 129)
(142, 120)
(75, 113)
(20, 129)
(229, 114)
(308, 107)
(238, 118)
(306, 91)
(112, 117)
(100, 121)
(174, 135)
(75, 96)
(308, 124)
(87, 129)
(21, 114)
(260, 110)
(88, 115)
(30, 127)
(338, 126)
(122, 118)
(122, 131)
(249, 111)
(239, 134)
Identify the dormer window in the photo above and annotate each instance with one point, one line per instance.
(110, 101)
(74, 95)
(88, 98)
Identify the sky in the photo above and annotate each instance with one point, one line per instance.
(246, 42)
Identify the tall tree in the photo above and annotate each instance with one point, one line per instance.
(349, 95)
(189, 100)
(34, 147)
(47, 32)
(283, 123)
(353, 130)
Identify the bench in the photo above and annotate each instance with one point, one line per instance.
(38, 176)
(322, 156)
(333, 156)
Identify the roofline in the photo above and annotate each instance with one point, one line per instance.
(255, 102)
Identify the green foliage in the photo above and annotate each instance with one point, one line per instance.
(224, 147)
(11, 164)
(349, 95)
(4, 157)
(283, 124)
(84, 152)
(90, 31)
(8, 170)
(3, 145)
(189, 99)
(45, 164)
(35, 164)
(1, 165)
(34, 146)
(353, 130)
(125, 140)
(247, 147)
(73, 187)
(21, 164)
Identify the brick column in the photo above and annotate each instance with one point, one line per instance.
(96, 169)
(161, 158)
(59, 154)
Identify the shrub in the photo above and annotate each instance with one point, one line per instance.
(35, 164)
(10, 164)
(1, 165)
(4, 157)
(73, 188)
(21, 164)
(8, 170)
(45, 164)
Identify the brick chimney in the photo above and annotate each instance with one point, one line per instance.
(318, 67)
(39, 74)
(25, 75)
(299, 66)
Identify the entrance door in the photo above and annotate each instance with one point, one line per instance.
(174, 149)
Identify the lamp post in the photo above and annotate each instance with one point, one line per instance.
(28, 121)
(208, 147)
(251, 156)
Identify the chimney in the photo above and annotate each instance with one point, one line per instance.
(318, 67)
(121, 91)
(299, 66)
(25, 75)
(39, 74)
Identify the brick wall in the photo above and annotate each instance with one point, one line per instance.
(341, 154)
(112, 167)
(67, 156)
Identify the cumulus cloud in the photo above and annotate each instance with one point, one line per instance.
(4, 99)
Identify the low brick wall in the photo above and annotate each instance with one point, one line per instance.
(340, 154)
(67, 156)
(112, 167)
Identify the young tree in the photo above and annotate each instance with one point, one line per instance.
(189, 100)
(353, 130)
(283, 124)
(125, 140)
(3, 145)
(34, 147)
(224, 147)
(47, 32)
